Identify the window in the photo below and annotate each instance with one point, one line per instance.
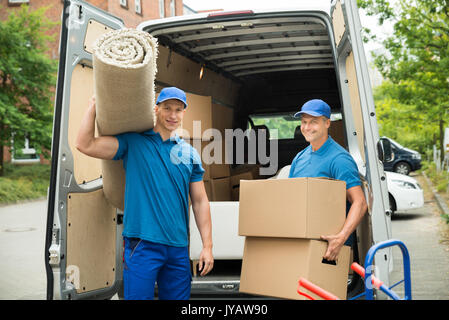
(18, 1)
(172, 8)
(138, 6)
(124, 3)
(161, 8)
(285, 125)
(26, 155)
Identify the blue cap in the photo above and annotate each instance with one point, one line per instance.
(172, 93)
(316, 108)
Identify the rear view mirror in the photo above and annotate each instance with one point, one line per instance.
(384, 150)
(380, 151)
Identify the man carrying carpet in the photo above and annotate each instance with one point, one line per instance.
(161, 171)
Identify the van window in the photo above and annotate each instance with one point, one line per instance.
(284, 124)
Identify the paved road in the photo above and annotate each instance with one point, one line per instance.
(423, 232)
(22, 236)
(22, 242)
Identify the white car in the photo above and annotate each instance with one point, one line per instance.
(404, 192)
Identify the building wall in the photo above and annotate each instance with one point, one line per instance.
(149, 10)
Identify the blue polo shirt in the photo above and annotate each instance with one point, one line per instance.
(158, 174)
(331, 161)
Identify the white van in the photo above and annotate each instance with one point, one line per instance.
(263, 65)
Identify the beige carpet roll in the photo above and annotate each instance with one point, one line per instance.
(124, 65)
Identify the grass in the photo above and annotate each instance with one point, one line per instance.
(440, 181)
(24, 182)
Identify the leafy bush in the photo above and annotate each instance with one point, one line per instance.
(24, 182)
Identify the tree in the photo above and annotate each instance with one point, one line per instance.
(27, 76)
(417, 62)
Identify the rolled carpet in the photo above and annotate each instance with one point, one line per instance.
(124, 66)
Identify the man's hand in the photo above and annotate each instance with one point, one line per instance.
(334, 244)
(206, 261)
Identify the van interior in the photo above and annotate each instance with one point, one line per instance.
(262, 69)
(242, 71)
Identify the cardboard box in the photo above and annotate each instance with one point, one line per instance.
(207, 186)
(242, 168)
(235, 193)
(211, 115)
(222, 118)
(221, 189)
(227, 244)
(273, 266)
(207, 149)
(235, 179)
(337, 132)
(235, 183)
(292, 208)
(199, 108)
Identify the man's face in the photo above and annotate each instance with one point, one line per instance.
(314, 128)
(169, 114)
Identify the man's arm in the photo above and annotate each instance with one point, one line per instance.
(201, 211)
(358, 208)
(103, 147)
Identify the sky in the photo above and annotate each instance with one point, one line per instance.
(230, 5)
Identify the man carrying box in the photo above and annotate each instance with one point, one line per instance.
(325, 158)
(161, 170)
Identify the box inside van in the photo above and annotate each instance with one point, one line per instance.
(258, 68)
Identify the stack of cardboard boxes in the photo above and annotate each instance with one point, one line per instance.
(282, 220)
(220, 181)
(201, 116)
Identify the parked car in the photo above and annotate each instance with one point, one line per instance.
(404, 192)
(403, 160)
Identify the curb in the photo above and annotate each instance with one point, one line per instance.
(441, 203)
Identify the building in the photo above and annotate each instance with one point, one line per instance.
(132, 12)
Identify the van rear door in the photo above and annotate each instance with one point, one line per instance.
(82, 253)
(362, 131)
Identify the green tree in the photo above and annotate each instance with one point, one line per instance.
(417, 63)
(27, 76)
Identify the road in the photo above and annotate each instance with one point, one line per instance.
(427, 239)
(22, 239)
(22, 242)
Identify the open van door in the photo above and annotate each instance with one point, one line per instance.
(82, 250)
(362, 131)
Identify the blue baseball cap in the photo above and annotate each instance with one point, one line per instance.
(316, 108)
(172, 93)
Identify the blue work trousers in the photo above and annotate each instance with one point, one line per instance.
(146, 263)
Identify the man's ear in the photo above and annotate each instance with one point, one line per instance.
(156, 108)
